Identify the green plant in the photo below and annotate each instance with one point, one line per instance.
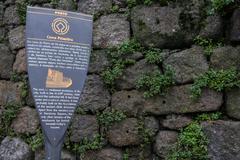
(10, 111)
(207, 44)
(218, 80)
(191, 144)
(153, 56)
(155, 83)
(115, 9)
(131, 3)
(146, 134)
(22, 10)
(86, 144)
(219, 5)
(108, 118)
(36, 140)
(208, 116)
(126, 154)
(54, 3)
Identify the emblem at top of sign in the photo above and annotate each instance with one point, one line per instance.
(60, 26)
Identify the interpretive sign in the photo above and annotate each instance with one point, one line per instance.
(58, 47)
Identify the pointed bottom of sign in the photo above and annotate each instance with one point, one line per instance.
(53, 152)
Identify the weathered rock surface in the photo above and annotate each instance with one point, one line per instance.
(17, 38)
(151, 124)
(14, 149)
(130, 102)
(213, 28)
(9, 92)
(20, 64)
(131, 74)
(120, 3)
(6, 61)
(138, 153)
(11, 16)
(27, 121)
(68, 5)
(124, 133)
(165, 140)
(1, 12)
(178, 100)
(187, 64)
(110, 31)
(65, 155)
(176, 121)
(94, 96)
(235, 26)
(94, 6)
(98, 61)
(157, 26)
(225, 57)
(224, 139)
(233, 103)
(104, 154)
(84, 126)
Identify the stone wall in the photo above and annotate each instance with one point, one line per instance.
(117, 122)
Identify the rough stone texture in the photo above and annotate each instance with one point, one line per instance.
(29, 98)
(68, 5)
(235, 26)
(98, 61)
(178, 100)
(65, 155)
(17, 38)
(2, 32)
(1, 12)
(187, 64)
(104, 154)
(213, 28)
(151, 124)
(176, 121)
(130, 102)
(131, 74)
(157, 26)
(225, 57)
(233, 103)
(84, 126)
(9, 92)
(224, 139)
(94, 6)
(120, 3)
(94, 96)
(6, 61)
(139, 153)
(110, 31)
(165, 140)
(14, 149)
(20, 64)
(11, 16)
(124, 133)
(27, 121)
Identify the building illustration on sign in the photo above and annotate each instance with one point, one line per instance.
(56, 79)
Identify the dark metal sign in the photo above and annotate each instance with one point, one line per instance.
(58, 47)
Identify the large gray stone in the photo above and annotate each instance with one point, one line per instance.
(84, 126)
(151, 124)
(20, 64)
(213, 27)
(10, 92)
(110, 31)
(94, 6)
(104, 154)
(187, 64)
(94, 96)
(130, 102)
(124, 133)
(98, 61)
(69, 5)
(233, 103)
(157, 26)
(131, 74)
(165, 140)
(176, 121)
(1, 13)
(235, 26)
(224, 139)
(26, 122)
(14, 149)
(65, 155)
(11, 16)
(16, 38)
(140, 153)
(178, 100)
(6, 61)
(225, 57)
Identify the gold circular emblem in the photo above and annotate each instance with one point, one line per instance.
(60, 26)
